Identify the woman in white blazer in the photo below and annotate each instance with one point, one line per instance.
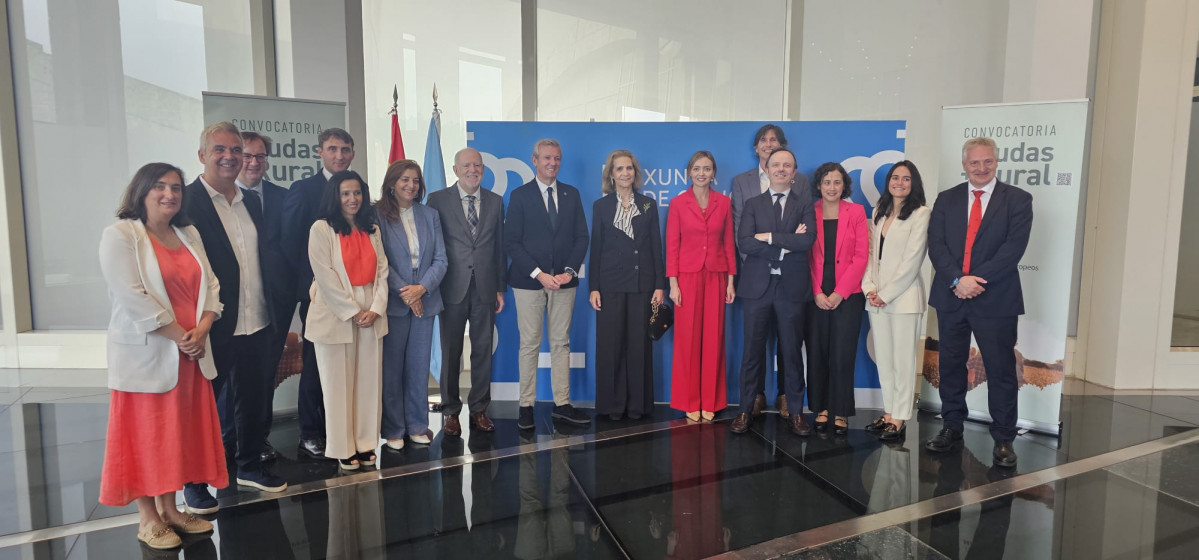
(163, 429)
(896, 297)
(349, 293)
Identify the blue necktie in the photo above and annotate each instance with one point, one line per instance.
(552, 207)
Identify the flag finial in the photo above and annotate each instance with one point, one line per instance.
(434, 95)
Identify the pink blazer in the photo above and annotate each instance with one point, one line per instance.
(853, 248)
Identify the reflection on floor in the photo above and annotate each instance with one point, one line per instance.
(655, 488)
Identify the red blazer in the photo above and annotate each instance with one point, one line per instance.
(696, 240)
(853, 248)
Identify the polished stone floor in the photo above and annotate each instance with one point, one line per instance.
(657, 487)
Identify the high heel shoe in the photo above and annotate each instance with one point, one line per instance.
(891, 433)
(878, 425)
(820, 425)
(841, 426)
(693, 416)
(708, 416)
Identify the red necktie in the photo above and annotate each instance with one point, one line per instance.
(976, 218)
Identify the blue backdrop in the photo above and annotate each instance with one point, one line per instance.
(865, 148)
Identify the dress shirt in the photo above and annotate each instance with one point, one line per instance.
(243, 237)
(987, 189)
(763, 179)
(409, 222)
(623, 218)
(546, 200)
(328, 174)
(462, 194)
(782, 211)
(256, 188)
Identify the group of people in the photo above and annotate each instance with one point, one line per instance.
(205, 279)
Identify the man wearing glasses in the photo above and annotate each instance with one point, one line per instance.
(277, 271)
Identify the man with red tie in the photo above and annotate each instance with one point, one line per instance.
(977, 233)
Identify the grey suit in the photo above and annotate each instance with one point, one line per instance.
(473, 278)
(746, 186)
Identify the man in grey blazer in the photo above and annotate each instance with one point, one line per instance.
(746, 186)
(472, 223)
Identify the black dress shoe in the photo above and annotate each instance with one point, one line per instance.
(891, 433)
(268, 453)
(878, 425)
(1004, 455)
(525, 420)
(944, 440)
(314, 447)
(740, 424)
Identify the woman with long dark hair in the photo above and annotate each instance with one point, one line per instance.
(895, 293)
(349, 293)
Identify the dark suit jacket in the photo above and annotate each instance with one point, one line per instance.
(277, 270)
(221, 256)
(620, 264)
(530, 241)
(746, 186)
(998, 246)
(299, 213)
(482, 256)
(759, 217)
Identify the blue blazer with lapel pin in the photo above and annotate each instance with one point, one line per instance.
(530, 241)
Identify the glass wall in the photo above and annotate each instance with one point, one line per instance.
(704, 60)
(1185, 329)
(103, 87)
(473, 58)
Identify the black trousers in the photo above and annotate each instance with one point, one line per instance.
(480, 310)
(786, 317)
(283, 309)
(311, 399)
(996, 338)
(624, 354)
(241, 403)
(831, 338)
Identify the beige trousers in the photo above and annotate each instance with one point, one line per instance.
(557, 307)
(895, 338)
(351, 378)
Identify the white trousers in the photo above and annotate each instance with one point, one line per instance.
(896, 336)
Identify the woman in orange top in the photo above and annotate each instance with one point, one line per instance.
(700, 263)
(349, 293)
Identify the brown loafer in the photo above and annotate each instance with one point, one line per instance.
(800, 426)
(759, 407)
(740, 424)
(781, 404)
(160, 536)
(191, 525)
(480, 421)
(452, 426)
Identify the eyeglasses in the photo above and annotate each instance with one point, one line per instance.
(260, 157)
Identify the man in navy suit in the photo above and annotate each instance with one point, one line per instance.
(336, 150)
(977, 233)
(277, 271)
(545, 235)
(776, 231)
(747, 185)
(229, 223)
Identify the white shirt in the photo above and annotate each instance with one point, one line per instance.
(782, 209)
(545, 199)
(328, 174)
(243, 237)
(409, 222)
(988, 189)
(462, 194)
(256, 188)
(763, 179)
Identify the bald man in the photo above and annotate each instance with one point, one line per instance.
(472, 222)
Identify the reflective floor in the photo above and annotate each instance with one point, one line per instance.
(657, 487)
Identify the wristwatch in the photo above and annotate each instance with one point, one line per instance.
(954, 284)
(571, 272)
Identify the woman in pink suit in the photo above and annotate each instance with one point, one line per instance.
(700, 263)
(838, 261)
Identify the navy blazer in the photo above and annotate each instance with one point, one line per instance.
(299, 213)
(998, 246)
(759, 217)
(530, 241)
(277, 270)
(746, 185)
(221, 256)
(621, 264)
(399, 260)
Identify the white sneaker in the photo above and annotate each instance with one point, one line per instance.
(421, 439)
(396, 444)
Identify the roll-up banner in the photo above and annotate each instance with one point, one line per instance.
(865, 148)
(1041, 150)
(292, 125)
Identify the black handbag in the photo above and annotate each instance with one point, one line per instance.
(660, 320)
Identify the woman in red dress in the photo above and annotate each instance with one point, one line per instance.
(163, 428)
(700, 263)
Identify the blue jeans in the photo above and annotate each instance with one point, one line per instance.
(406, 349)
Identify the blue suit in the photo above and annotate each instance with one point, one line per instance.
(298, 214)
(992, 316)
(406, 348)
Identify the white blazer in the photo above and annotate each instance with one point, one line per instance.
(140, 361)
(333, 304)
(897, 277)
